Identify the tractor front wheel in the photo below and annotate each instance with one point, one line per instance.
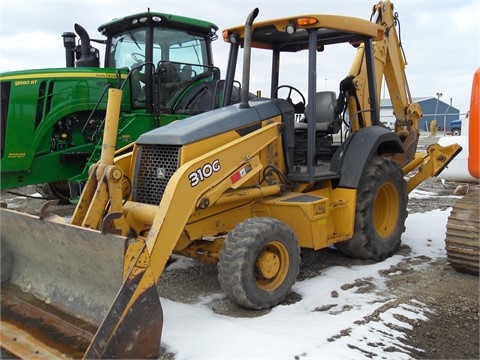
(259, 263)
(57, 190)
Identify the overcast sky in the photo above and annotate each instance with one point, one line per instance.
(441, 38)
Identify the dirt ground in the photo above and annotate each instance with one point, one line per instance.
(452, 332)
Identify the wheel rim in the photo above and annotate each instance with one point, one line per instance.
(386, 211)
(271, 266)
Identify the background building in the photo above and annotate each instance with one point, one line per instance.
(433, 108)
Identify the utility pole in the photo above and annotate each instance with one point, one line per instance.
(439, 95)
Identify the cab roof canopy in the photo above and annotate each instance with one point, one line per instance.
(331, 29)
(158, 19)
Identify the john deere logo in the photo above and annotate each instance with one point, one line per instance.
(161, 173)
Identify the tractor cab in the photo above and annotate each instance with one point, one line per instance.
(165, 54)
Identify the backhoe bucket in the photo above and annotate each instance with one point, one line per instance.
(78, 271)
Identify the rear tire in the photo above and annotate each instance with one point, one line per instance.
(380, 212)
(259, 263)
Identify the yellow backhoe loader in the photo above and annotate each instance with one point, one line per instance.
(245, 186)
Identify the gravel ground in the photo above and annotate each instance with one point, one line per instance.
(453, 333)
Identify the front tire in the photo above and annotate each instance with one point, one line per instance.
(380, 213)
(259, 263)
(57, 190)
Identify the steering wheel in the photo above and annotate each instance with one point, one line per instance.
(300, 106)
(137, 57)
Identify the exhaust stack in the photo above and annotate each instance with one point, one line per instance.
(88, 54)
(247, 54)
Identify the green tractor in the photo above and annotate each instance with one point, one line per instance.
(52, 119)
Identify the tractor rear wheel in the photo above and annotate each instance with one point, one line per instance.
(259, 263)
(380, 213)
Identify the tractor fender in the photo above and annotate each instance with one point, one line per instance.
(351, 159)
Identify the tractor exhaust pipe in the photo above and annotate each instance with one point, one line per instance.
(247, 54)
(88, 56)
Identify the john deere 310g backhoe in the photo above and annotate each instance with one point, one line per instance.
(244, 186)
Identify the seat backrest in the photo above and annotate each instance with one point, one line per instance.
(186, 73)
(325, 106)
(325, 117)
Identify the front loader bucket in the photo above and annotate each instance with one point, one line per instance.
(79, 272)
(75, 269)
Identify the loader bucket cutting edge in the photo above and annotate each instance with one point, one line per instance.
(133, 327)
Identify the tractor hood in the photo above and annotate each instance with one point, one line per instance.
(218, 121)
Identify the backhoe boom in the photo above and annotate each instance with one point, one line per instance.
(389, 66)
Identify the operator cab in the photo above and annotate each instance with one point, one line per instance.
(320, 115)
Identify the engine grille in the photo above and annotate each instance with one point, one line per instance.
(154, 168)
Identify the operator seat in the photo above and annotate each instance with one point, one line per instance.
(186, 73)
(327, 122)
(168, 81)
(326, 116)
